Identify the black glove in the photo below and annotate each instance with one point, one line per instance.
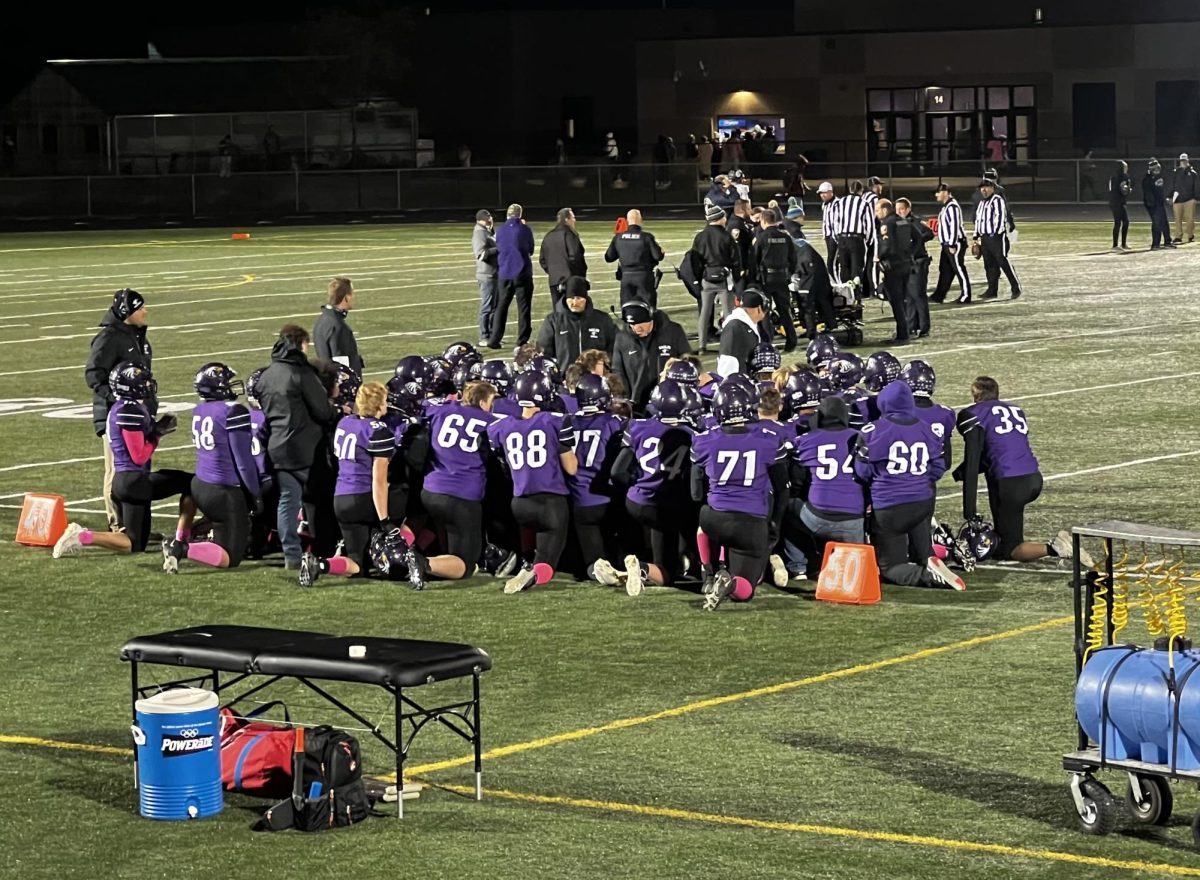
(387, 526)
(166, 423)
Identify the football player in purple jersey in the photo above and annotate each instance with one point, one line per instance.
(829, 502)
(739, 475)
(261, 521)
(654, 461)
(880, 370)
(597, 443)
(499, 375)
(226, 486)
(456, 478)
(897, 457)
(406, 470)
(134, 435)
(363, 445)
(539, 451)
(996, 441)
(921, 378)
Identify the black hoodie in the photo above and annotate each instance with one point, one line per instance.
(565, 335)
(296, 407)
(116, 342)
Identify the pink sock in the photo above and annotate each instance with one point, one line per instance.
(407, 534)
(208, 553)
(183, 535)
(425, 539)
(704, 546)
(543, 573)
(722, 554)
(743, 590)
(940, 551)
(337, 564)
(85, 537)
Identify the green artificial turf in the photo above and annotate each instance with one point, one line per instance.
(958, 745)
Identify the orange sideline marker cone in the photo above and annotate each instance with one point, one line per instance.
(240, 236)
(849, 574)
(43, 520)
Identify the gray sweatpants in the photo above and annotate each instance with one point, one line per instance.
(709, 293)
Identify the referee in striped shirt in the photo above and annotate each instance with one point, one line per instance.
(871, 196)
(991, 231)
(853, 226)
(952, 236)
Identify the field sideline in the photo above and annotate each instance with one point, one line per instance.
(919, 738)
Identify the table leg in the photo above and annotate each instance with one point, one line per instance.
(477, 741)
(399, 755)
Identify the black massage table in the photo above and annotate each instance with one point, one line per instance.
(392, 664)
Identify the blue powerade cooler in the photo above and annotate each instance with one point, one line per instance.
(177, 736)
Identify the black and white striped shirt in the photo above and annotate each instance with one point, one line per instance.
(871, 197)
(950, 224)
(991, 216)
(851, 215)
(826, 228)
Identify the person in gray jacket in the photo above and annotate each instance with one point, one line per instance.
(1183, 200)
(483, 246)
(298, 409)
(122, 337)
(332, 335)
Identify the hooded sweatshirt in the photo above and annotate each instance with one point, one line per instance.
(334, 340)
(826, 458)
(116, 342)
(898, 455)
(296, 406)
(565, 335)
(739, 338)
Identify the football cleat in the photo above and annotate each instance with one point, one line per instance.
(633, 576)
(415, 563)
(722, 589)
(310, 570)
(604, 573)
(943, 576)
(779, 572)
(521, 581)
(68, 544)
(172, 552)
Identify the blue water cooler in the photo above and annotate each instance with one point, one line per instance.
(177, 737)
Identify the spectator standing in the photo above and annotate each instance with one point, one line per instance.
(704, 158)
(299, 413)
(332, 336)
(561, 255)
(612, 152)
(1183, 199)
(722, 193)
(514, 243)
(637, 255)
(483, 246)
(720, 260)
(1119, 188)
(1155, 199)
(225, 156)
(122, 337)
(575, 326)
(649, 339)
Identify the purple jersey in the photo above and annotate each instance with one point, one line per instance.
(570, 404)
(458, 451)
(1006, 449)
(662, 453)
(736, 462)
(258, 444)
(829, 456)
(222, 437)
(901, 462)
(506, 408)
(594, 440)
(357, 442)
(940, 419)
(531, 447)
(128, 415)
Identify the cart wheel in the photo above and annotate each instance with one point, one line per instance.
(1100, 812)
(1155, 807)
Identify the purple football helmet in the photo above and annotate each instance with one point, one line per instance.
(802, 391)
(498, 374)
(534, 388)
(400, 401)
(766, 358)
(977, 541)
(684, 372)
(735, 404)
(441, 377)
(346, 388)
(845, 371)
(882, 369)
(821, 350)
(252, 387)
(414, 373)
(670, 401)
(920, 377)
(456, 352)
(216, 381)
(592, 394)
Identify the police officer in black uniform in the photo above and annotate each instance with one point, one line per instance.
(775, 261)
(897, 256)
(637, 256)
(742, 230)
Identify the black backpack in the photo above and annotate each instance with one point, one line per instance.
(327, 784)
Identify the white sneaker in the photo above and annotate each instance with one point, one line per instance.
(722, 588)
(779, 572)
(170, 563)
(520, 582)
(943, 576)
(604, 573)
(68, 544)
(633, 576)
(1063, 546)
(800, 576)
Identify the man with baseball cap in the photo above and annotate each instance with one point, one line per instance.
(483, 246)
(1183, 199)
(741, 335)
(644, 345)
(991, 232)
(575, 326)
(825, 194)
(122, 337)
(952, 236)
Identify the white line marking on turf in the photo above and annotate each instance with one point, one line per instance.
(1030, 350)
(1100, 350)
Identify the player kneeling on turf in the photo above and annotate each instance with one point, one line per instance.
(996, 441)
(133, 436)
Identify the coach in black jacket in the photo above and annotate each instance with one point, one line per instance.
(561, 255)
(575, 326)
(296, 406)
(122, 337)
(643, 347)
(331, 334)
(740, 335)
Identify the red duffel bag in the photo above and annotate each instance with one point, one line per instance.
(256, 756)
